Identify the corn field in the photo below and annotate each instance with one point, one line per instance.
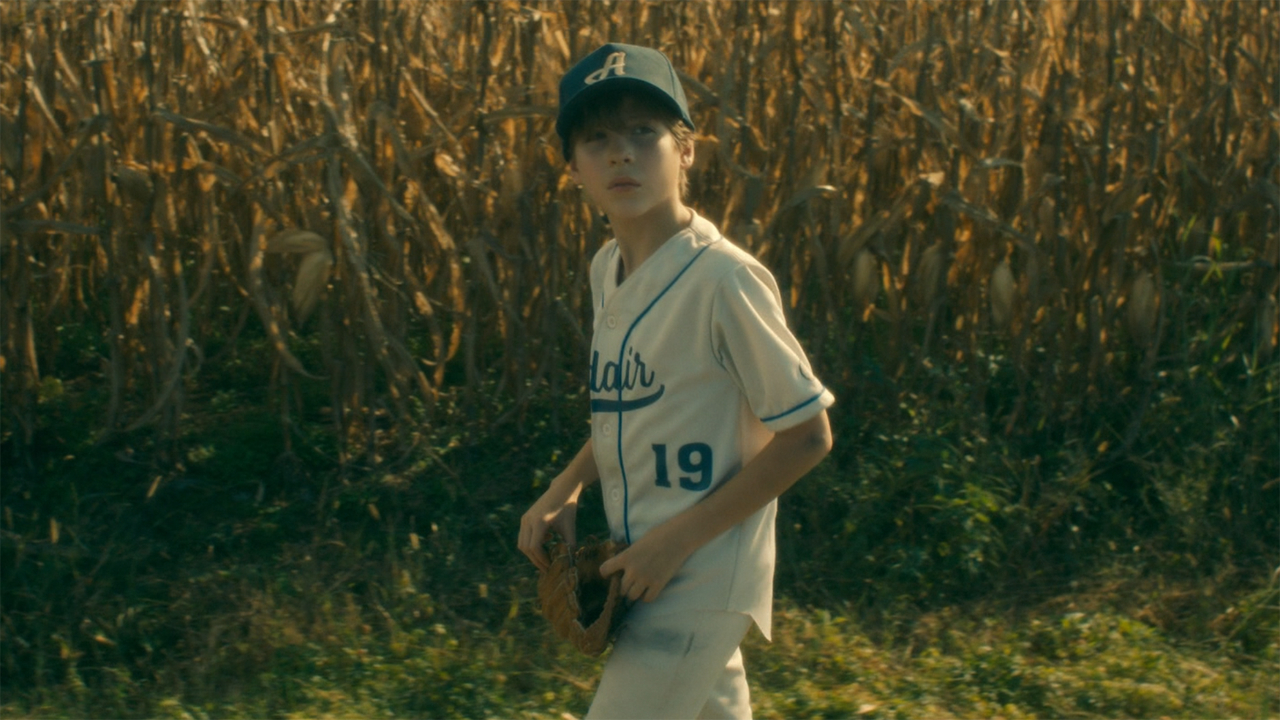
(376, 190)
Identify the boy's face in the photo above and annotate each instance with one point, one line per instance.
(631, 167)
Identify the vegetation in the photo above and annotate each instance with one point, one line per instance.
(253, 587)
(292, 312)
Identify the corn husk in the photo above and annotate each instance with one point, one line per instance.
(866, 279)
(134, 182)
(313, 271)
(1002, 290)
(313, 276)
(928, 275)
(296, 240)
(1142, 308)
(1046, 218)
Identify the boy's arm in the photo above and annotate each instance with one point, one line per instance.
(650, 563)
(558, 507)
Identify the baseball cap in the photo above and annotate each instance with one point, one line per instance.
(613, 66)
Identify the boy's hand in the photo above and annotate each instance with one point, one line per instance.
(557, 509)
(647, 565)
(553, 511)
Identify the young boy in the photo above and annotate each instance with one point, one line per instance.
(704, 408)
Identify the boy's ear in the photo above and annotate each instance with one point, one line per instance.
(687, 155)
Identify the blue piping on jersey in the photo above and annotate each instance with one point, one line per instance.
(622, 465)
(810, 401)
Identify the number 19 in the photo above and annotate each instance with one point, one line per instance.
(694, 458)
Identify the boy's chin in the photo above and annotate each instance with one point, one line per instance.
(623, 210)
(622, 214)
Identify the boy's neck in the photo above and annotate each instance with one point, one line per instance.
(640, 237)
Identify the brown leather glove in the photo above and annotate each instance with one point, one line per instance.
(581, 606)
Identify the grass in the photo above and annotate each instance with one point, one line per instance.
(1071, 657)
(1046, 662)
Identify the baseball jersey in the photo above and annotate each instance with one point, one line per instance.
(693, 370)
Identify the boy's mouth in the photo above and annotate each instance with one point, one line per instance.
(623, 183)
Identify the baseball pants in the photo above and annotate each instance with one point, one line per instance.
(679, 666)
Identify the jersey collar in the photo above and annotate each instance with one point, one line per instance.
(658, 270)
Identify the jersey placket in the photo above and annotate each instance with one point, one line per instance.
(611, 322)
(616, 496)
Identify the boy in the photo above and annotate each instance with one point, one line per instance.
(704, 408)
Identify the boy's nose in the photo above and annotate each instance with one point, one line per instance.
(619, 152)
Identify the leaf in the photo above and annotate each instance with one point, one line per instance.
(226, 135)
(808, 194)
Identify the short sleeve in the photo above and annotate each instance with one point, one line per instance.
(751, 341)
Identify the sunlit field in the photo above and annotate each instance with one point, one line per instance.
(295, 320)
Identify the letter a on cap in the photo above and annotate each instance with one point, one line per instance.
(615, 63)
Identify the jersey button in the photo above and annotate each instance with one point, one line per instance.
(607, 429)
(611, 321)
(616, 494)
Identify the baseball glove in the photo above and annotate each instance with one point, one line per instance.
(583, 607)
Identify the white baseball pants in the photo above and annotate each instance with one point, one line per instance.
(680, 666)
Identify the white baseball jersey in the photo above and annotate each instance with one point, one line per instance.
(692, 371)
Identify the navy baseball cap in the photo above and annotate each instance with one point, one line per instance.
(615, 66)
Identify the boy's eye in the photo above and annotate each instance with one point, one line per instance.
(643, 129)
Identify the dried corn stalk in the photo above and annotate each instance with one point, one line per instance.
(144, 147)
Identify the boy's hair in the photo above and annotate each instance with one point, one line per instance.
(606, 111)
